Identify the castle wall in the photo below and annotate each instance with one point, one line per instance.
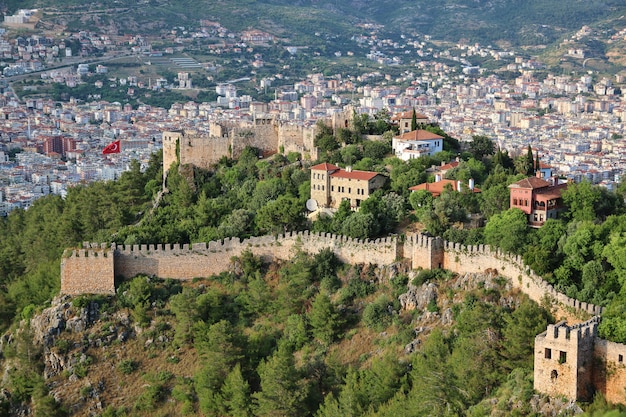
(203, 260)
(343, 119)
(296, 138)
(262, 136)
(477, 258)
(87, 271)
(609, 376)
(425, 252)
(203, 151)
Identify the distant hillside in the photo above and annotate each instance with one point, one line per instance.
(515, 22)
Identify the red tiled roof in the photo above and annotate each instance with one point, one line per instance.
(419, 134)
(324, 167)
(553, 191)
(354, 175)
(436, 188)
(530, 183)
(448, 166)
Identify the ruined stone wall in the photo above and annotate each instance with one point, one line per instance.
(203, 149)
(609, 376)
(262, 136)
(296, 138)
(88, 270)
(343, 119)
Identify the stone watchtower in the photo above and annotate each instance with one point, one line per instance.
(564, 360)
(427, 252)
(171, 148)
(88, 271)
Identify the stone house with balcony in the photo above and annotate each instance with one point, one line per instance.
(539, 199)
(330, 185)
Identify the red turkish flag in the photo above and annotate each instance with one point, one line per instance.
(113, 147)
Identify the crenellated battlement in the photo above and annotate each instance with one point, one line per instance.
(576, 333)
(423, 251)
(90, 269)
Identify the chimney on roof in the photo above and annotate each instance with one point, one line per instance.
(349, 168)
(437, 177)
(458, 185)
(538, 174)
(442, 163)
(471, 184)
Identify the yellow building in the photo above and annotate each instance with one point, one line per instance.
(330, 185)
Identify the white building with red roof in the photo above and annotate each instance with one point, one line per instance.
(417, 143)
(330, 185)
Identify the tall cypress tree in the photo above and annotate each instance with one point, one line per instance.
(414, 121)
(530, 162)
(537, 164)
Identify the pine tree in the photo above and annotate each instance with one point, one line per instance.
(414, 121)
(216, 345)
(324, 319)
(282, 389)
(236, 394)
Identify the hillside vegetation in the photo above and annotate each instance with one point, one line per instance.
(304, 337)
(516, 22)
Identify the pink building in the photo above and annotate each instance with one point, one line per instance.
(539, 199)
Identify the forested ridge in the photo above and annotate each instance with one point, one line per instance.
(531, 22)
(309, 336)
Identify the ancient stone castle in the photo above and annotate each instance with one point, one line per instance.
(205, 148)
(570, 360)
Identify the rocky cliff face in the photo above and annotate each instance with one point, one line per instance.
(62, 316)
(62, 338)
(431, 299)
